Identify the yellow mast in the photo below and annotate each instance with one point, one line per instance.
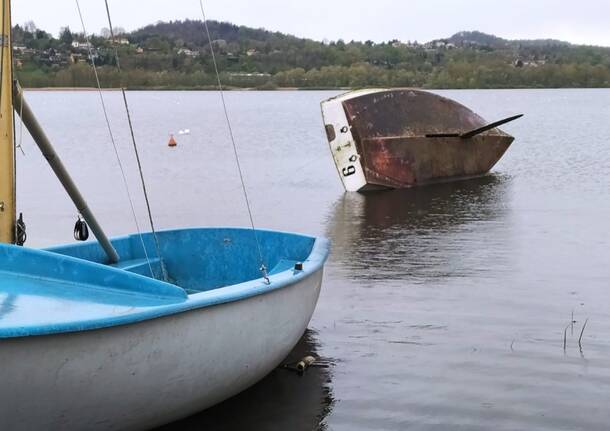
(7, 148)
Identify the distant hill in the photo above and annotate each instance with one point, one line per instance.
(176, 54)
(472, 38)
(190, 32)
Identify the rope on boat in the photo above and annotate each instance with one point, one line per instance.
(111, 135)
(135, 148)
(263, 268)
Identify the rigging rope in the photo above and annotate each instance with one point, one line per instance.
(111, 134)
(19, 224)
(135, 148)
(263, 268)
(19, 145)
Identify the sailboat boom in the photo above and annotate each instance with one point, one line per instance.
(30, 122)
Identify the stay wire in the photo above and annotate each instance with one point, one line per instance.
(19, 225)
(262, 268)
(20, 144)
(111, 135)
(135, 147)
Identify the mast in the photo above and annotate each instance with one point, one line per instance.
(7, 144)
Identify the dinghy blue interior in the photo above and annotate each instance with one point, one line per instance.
(71, 288)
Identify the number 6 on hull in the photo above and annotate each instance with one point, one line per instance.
(342, 145)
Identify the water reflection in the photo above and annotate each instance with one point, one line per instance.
(420, 233)
(284, 400)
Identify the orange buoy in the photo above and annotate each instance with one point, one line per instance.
(172, 142)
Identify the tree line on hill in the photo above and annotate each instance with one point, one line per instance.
(176, 55)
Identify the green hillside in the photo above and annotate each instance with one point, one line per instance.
(177, 55)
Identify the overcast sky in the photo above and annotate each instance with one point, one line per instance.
(582, 21)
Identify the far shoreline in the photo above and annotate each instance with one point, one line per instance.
(188, 89)
(88, 89)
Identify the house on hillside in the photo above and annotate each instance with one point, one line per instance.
(189, 53)
(76, 58)
(51, 57)
(82, 45)
(249, 75)
(528, 63)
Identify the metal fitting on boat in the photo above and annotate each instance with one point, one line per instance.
(263, 270)
(298, 266)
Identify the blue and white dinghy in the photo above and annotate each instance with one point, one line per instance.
(137, 331)
(85, 345)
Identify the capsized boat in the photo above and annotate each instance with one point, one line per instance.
(396, 138)
(137, 331)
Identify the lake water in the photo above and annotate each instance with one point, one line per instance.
(443, 307)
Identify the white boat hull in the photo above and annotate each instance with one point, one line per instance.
(146, 374)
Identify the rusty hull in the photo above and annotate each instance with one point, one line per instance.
(389, 129)
(408, 161)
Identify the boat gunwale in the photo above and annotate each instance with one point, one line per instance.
(222, 295)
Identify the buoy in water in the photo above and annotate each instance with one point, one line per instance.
(172, 142)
